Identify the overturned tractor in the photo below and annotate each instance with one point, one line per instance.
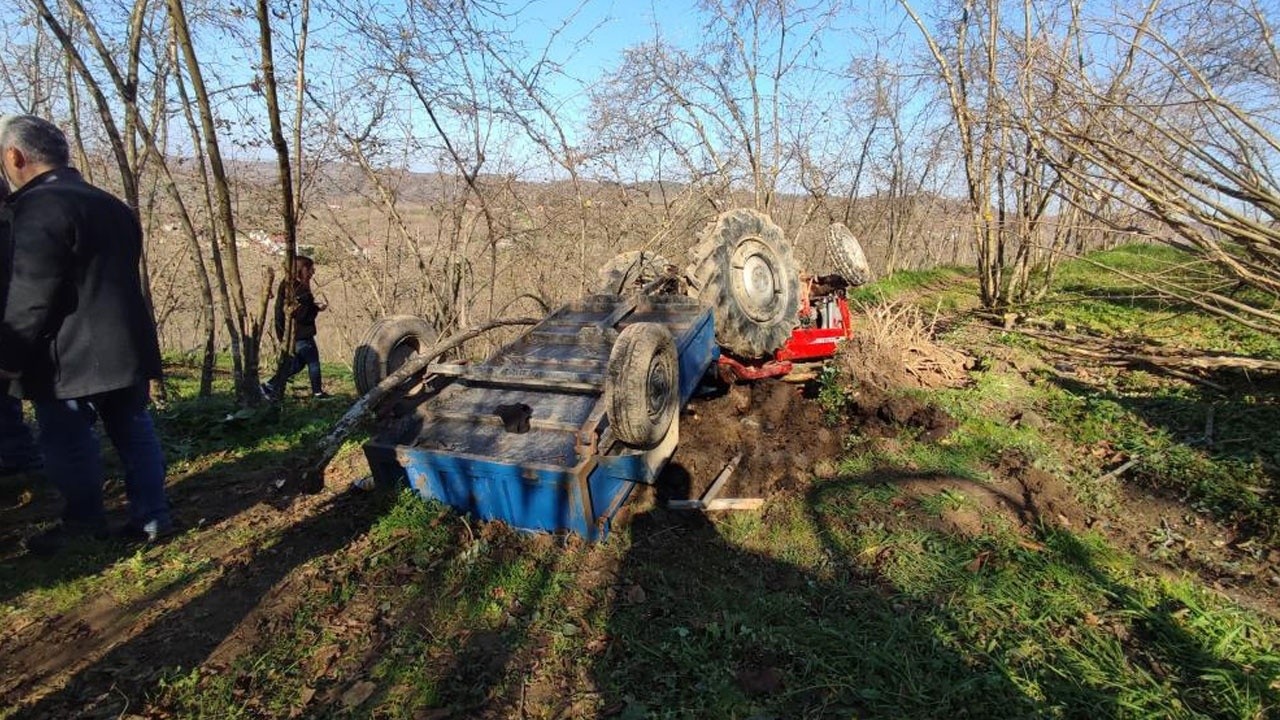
(553, 431)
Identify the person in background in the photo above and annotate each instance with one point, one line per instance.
(78, 334)
(303, 308)
(18, 452)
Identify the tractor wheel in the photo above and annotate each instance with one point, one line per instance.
(388, 344)
(743, 269)
(846, 254)
(641, 387)
(629, 269)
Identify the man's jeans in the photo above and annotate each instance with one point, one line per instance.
(73, 455)
(306, 354)
(17, 447)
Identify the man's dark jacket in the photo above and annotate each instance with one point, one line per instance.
(75, 321)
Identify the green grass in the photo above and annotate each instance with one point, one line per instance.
(945, 286)
(205, 440)
(1087, 294)
(1033, 633)
(1160, 429)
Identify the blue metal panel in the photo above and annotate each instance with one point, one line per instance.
(697, 351)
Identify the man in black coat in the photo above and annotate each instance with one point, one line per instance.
(18, 453)
(78, 335)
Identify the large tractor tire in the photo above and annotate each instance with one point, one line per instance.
(389, 343)
(641, 386)
(744, 270)
(630, 269)
(847, 255)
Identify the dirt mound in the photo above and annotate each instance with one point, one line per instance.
(893, 347)
(874, 414)
(782, 438)
(1019, 496)
(1045, 498)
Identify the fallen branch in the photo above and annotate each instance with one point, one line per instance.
(311, 474)
(1174, 361)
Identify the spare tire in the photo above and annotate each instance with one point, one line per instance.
(641, 386)
(847, 255)
(743, 269)
(389, 343)
(629, 269)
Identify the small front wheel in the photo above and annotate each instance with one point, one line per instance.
(388, 345)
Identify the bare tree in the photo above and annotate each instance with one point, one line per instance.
(987, 68)
(245, 329)
(1182, 131)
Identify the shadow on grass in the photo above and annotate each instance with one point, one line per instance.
(184, 638)
(1225, 453)
(719, 631)
(1052, 618)
(201, 430)
(1197, 676)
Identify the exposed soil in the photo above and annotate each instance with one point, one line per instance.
(781, 436)
(82, 662)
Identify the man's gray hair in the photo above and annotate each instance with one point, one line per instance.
(38, 139)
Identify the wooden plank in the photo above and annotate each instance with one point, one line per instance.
(708, 498)
(493, 419)
(552, 337)
(719, 504)
(734, 504)
(562, 380)
(721, 479)
(624, 309)
(523, 359)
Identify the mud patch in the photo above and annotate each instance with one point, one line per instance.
(877, 415)
(1044, 498)
(781, 435)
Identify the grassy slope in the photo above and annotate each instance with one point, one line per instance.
(847, 598)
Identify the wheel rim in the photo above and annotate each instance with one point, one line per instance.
(659, 387)
(755, 280)
(401, 352)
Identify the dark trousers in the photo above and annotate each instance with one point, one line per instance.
(305, 355)
(17, 446)
(73, 455)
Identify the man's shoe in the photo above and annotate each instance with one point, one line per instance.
(58, 537)
(266, 391)
(152, 531)
(321, 395)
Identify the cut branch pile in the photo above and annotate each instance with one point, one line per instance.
(893, 346)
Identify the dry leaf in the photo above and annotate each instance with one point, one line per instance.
(634, 595)
(979, 562)
(303, 699)
(358, 693)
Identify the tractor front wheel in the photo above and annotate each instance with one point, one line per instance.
(847, 255)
